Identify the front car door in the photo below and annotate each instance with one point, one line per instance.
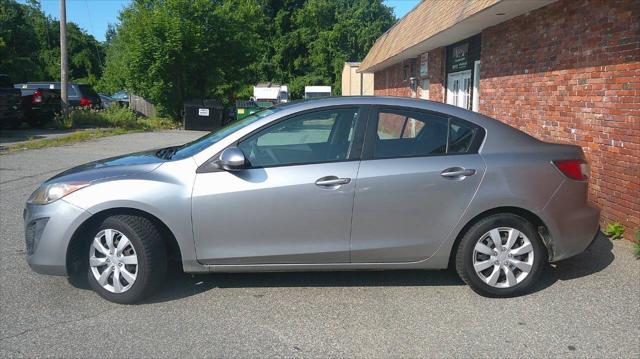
(419, 173)
(293, 203)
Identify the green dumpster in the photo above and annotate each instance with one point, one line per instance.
(246, 108)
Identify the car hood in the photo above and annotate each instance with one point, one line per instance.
(126, 165)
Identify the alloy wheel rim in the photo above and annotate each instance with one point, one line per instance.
(503, 257)
(113, 261)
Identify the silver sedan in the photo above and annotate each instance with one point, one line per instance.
(334, 184)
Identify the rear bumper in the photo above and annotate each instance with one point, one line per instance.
(572, 223)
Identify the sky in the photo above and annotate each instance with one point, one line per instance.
(95, 15)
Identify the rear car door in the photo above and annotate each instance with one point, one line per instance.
(419, 173)
(293, 203)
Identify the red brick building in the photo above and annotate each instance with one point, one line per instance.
(562, 71)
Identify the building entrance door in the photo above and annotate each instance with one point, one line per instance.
(459, 89)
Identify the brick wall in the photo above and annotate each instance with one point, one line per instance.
(435, 74)
(568, 72)
(390, 82)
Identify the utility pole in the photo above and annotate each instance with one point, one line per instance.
(63, 59)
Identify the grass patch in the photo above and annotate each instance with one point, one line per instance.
(614, 231)
(115, 120)
(113, 117)
(74, 137)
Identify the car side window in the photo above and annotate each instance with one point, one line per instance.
(314, 137)
(408, 134)
(461, 137)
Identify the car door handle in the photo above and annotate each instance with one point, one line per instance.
(332, 181)
(457, 172)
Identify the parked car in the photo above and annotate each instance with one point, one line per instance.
(11, 112)
(344, 183)
(78, 94)
(106, 100)
(40, 105)
(121, 97)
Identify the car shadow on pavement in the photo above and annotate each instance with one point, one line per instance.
(596, 258)
(181, 285)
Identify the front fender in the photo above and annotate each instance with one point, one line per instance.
(160, 194)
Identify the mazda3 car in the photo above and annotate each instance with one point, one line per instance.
(350, 183)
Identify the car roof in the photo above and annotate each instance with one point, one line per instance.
(37, 83)
(392, 101)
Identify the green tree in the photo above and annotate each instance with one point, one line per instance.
(17, 43)
(171, 50)
(310, 40)
(30, 46)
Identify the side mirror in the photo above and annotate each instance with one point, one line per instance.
(231, 159)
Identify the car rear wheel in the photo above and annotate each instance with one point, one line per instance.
(126, 259)
(501, 256)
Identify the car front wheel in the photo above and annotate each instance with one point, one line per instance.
(126, 259)
(501, 256)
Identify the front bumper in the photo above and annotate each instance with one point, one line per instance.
(48, 231)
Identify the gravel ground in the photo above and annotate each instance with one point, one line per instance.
(587, 306)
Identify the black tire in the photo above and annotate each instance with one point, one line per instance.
(465, 252)
(151, 254)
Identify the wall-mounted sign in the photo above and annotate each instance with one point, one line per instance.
(460, 60)
(424, 65)
(460, 56)
(203, 112)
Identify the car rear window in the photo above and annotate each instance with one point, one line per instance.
(409, 133)
(87, 90)
(461, 137)
(406, 134)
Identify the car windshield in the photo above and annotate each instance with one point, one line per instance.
(203, 142)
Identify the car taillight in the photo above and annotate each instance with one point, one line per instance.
(36, 97)
(85, 102)
(574, 169)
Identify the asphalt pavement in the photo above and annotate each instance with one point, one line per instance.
(587, 306)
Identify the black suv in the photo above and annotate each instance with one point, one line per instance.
(78, 94)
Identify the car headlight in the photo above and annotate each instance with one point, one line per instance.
(48, 193)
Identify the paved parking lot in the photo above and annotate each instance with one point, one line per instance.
(588, 306)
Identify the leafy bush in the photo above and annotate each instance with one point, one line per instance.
(636, 244)
(614, 230)
(112, 117)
